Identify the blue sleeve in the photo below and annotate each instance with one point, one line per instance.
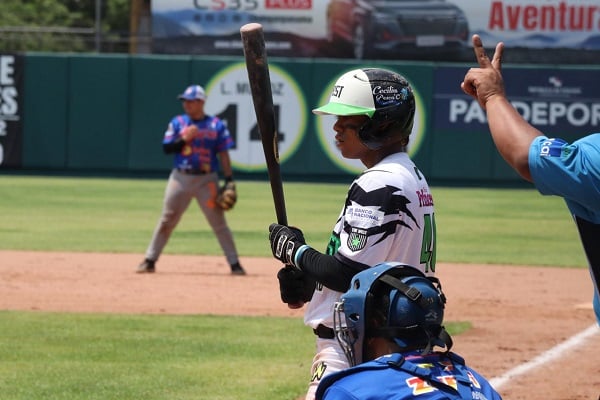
(173, 129)
(571, 171)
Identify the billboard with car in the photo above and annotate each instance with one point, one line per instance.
(437, 30)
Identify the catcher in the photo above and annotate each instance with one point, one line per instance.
(388, 324)
(199, 142)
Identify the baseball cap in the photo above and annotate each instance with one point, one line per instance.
(194, 92)
(351, 95)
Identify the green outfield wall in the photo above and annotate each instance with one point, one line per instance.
(108, 113)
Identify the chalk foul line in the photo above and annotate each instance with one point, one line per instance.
(547, 356)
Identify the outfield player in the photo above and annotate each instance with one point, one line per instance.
(388, 214)
(200, 144)
(389, 323)
(569, 170)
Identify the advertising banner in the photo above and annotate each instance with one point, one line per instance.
(438, 30)
(11, 86)
(212, 27)
(560, 102)
(545, 24)
(450, 140)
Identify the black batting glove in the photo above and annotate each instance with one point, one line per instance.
(287, 244)
(295, 286)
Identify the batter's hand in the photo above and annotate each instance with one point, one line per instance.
(285, 243)
(295, 286)
(485, 82)
(189, 133)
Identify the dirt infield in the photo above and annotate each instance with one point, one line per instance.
(518, 313)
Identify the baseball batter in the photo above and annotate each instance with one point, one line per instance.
(388, 214)
(200, 144)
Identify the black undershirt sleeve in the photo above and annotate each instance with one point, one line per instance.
(589, 234)
(329, 270)
(173, 147)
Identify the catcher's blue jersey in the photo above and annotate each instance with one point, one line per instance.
(572, 171)
(201, 152)
(432, 377)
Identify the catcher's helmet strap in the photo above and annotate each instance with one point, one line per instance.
(412, 293)
(436, 282)
(445, 337)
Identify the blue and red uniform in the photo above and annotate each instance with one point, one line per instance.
(199, 144)
(201, 153)
(435, 376)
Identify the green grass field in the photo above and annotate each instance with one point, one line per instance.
(116, 357)
(499, 226)
(77, 357)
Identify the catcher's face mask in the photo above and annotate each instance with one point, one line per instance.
(348, 332)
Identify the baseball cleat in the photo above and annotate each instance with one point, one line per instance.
(146, 267)
(236, 269)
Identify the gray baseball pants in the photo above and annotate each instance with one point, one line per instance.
(180, 190)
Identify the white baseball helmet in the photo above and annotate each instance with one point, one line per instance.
(382, 95)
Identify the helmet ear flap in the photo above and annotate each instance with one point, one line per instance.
(378, 128)
(387, 122)
(367, 137)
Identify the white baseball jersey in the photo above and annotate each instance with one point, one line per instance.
(388, 216)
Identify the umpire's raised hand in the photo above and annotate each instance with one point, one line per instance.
(485, 82)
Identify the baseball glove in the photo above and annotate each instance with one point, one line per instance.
(227, 196)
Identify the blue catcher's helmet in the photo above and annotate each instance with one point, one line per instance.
(394, 301)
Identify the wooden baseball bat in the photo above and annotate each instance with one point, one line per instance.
(253, 41)
(255, 53)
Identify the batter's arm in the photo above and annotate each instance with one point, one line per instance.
(328, 270)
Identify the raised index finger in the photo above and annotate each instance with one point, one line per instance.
(482, 58)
